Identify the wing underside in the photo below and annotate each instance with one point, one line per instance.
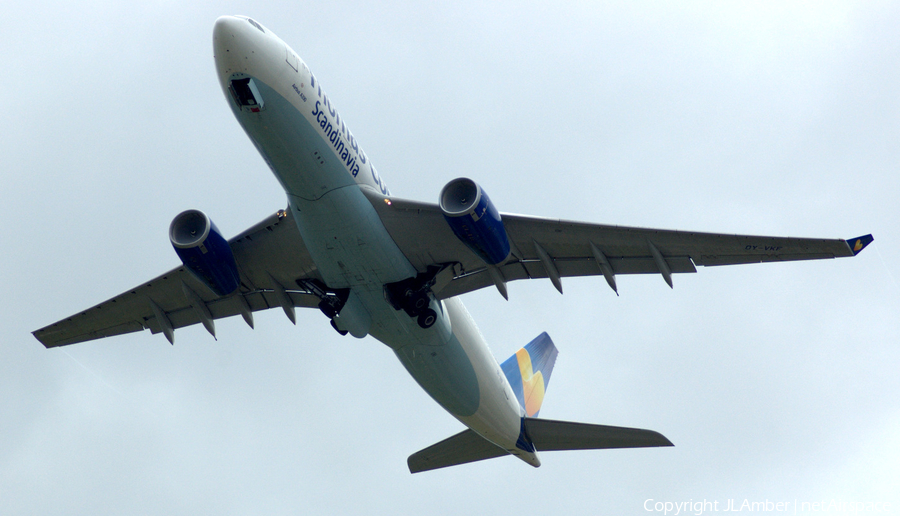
(272, 260)
(270, 256)
(552, 248)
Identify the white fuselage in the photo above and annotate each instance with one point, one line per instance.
(324, 172)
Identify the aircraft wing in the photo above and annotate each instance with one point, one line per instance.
(270, 250)
(552, 248)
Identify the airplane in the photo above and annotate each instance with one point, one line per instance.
(392, 268)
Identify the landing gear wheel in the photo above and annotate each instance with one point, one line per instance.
(427, 318)
(333, 325)
(419, 302)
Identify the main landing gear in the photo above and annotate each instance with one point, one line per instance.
(330, 301)
(333, 325)
(414, 296)
(427, 318)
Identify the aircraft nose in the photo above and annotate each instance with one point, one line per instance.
(240, 29)
(233, 37)
(227, 26)
(226, 33)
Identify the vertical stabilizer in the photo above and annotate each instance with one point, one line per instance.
(528, 372)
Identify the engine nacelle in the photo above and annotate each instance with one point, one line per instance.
(204, 251)
(475, 220)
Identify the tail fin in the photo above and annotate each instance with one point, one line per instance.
(528, 372)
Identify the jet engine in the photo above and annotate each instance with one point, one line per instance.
(474, 220)
(204, 251)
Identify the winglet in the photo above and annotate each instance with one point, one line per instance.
(859, 243)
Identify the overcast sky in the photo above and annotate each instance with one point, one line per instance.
(774, 381)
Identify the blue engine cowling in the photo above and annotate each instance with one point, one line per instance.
(204, 251)
(475, 220)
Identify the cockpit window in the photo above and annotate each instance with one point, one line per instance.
(258, 26)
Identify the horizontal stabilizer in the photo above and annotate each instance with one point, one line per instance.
(549, 435)
(466, 446)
